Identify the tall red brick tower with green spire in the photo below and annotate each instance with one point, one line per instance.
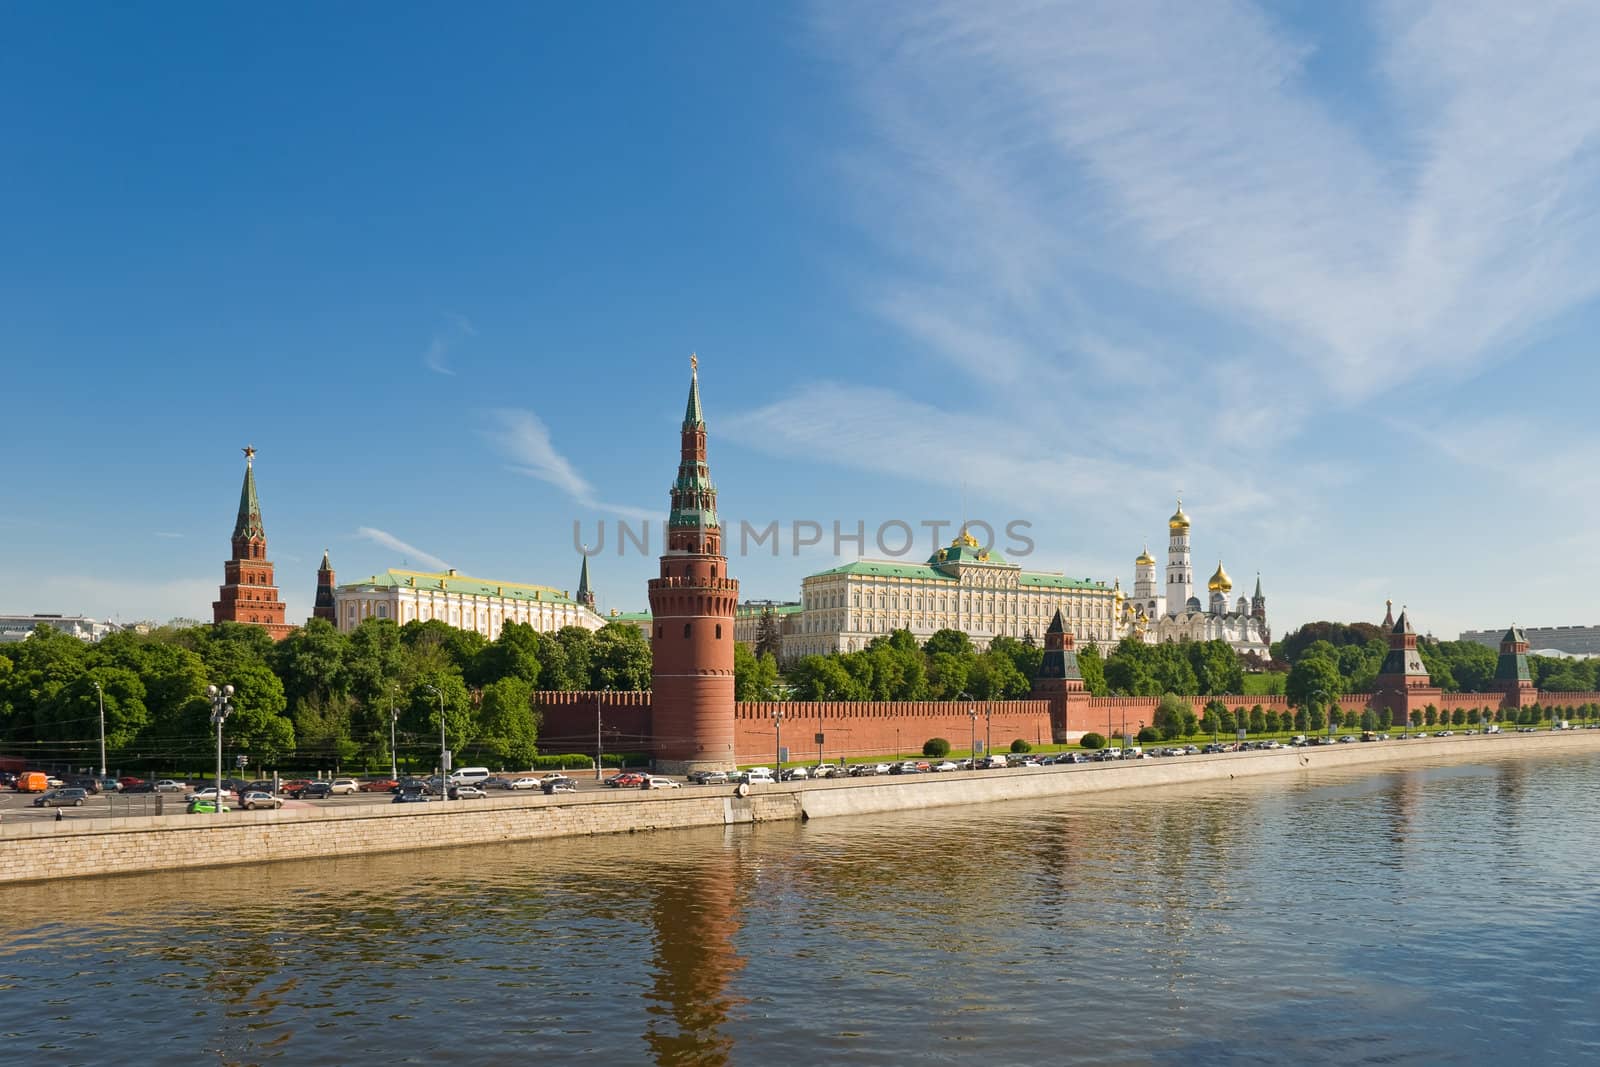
(692, 607)
(248, 594)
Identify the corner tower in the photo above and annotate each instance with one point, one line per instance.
(1060, 681)
(692, 607)
(1403, 685)
(248, 594)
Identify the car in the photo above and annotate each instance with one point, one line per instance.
(411, 796)
(826, 770)
(470, 776)
(414, 785)
(168, 785)
(466, 792)
(943, 767)
(344, 787)
(658, 782)
(495, 783)
(54, 782)
(206, 807)
(70, 797)
(139, 787)
(709, 777)
(908, 767)
(793, 774)
(255, 798)
(128, 779)
(208, 793)
(311, 791)
(1347, 739)
(1445, 733)
(625, 780)
(379, 785)
(524, 783)
(558, 784)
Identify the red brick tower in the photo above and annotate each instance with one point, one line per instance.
(1511, 674)
(692, 606)
(1061, 683)
(247, 594)
(324, 608)
(1403, 684)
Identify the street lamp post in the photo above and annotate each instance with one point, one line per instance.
(102, 694)
(974, 714)
(1323, 693)
(444, 752)
(394, 759)
(221, 708)
(777, 724)
(599, 744)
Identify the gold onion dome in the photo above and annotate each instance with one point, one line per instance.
(1220, 582)
(1145, 558)
(1179, 520)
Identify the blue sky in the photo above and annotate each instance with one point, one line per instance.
(1329, 270)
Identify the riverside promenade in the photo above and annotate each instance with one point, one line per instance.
(46, 850)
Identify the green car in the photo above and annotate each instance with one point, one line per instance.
(205, 807)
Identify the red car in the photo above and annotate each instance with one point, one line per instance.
(379, 785)
(130, 780)
(625, 780)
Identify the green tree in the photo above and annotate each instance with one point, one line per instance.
(754, 677)
(1312, 675)
(310, 662)
(769, 639)
(1191, 722)
(954, 642)
(1168, 717)
(514, 654)
(420, 715)
(1369, 720)
(1258, 720)
(995, 677)
(621, 658)
(1091, 664)
(509, 721)
(948, 674)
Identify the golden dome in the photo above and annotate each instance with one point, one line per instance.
(1179, 520)
(1220, 582)
(1145, 558)
(964, 538)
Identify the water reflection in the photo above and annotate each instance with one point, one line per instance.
(1402, 916)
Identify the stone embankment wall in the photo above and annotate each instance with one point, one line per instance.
(43, 849)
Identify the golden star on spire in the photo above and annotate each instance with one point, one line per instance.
(249, 453)
(694, 362)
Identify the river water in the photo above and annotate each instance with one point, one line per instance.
(1440, 914)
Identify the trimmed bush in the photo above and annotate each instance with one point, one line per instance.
(572, 761)
(1020, 745)
(936, 746)
(1149, 735)
(1092, 740)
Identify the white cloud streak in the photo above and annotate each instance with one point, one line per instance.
(445, 339)
(394, 544)
(523, 439)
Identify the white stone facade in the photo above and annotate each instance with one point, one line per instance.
(459, 601)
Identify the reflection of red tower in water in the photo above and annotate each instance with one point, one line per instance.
(695, 916)
(692, 606)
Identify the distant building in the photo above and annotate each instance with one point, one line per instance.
(1179, 615)
(480, 604)
(1572, 640)
(748, 615)
(15, 628)
(248, 594)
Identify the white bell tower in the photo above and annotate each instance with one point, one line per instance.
(1180, 571)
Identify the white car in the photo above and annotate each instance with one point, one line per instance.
(658, 782)
(466, 792)
(167, 785)
(945, 766)
(526, 783)
(208, 793)
(344, 787)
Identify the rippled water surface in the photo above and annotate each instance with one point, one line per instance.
(1440, 914)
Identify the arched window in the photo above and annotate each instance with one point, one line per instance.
(719, 631)
(713, 570)
(686, 629)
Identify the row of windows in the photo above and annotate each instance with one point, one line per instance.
(688, 628)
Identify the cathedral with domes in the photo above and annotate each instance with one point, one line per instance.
(1173, 611)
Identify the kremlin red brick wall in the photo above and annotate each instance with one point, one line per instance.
(859, 729)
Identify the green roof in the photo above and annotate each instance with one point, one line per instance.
(248, 526)
(451, 582)
(888, 570)
(746, 610)
(884, 569)
(630, 616)
(1052, 580)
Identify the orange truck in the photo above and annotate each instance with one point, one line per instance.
(32, 782)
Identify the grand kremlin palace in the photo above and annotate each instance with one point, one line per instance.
(463, 602)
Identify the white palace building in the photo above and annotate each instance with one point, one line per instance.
(465, 603)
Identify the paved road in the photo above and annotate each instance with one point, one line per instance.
(20, 805)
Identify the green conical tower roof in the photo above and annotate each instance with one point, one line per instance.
(248, 526)
(583, 581)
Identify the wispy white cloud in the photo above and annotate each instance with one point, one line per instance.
(409, 551)
(445, 339)
(523, 439)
